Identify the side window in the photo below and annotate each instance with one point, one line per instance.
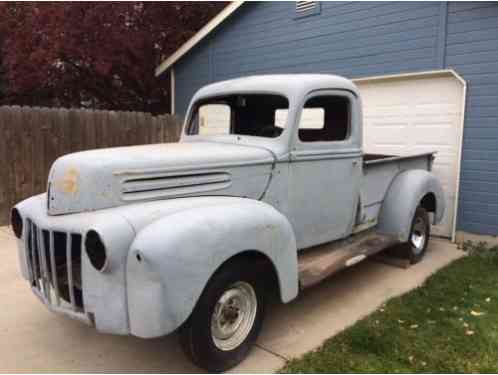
(214, 119)
(325, 119)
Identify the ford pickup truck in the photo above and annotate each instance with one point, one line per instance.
(267, 192)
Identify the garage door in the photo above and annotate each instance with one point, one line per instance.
(403, 116)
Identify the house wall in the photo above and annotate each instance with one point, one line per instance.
(472, 50)
(366, 39)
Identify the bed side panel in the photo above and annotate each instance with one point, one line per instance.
(378, 175)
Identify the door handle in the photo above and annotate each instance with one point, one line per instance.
(355, 163)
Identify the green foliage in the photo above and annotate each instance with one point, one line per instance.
(450, 324)
(94, 54)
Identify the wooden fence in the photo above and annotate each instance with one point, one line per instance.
(32, 138)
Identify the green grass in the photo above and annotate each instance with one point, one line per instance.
(450, 324)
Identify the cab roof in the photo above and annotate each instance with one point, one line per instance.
(290, 85)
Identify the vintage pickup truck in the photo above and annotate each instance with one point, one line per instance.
(268, 191)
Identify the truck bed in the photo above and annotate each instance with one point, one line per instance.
(372, 157)
(378, 173)
(369, 159)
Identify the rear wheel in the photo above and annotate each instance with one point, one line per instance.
(418, 240)
(226, 320)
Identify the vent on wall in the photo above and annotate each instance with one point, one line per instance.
(305, 8)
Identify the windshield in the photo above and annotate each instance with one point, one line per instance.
(261, 115)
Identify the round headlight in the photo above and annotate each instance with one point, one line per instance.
(96, 251)
(16, 222)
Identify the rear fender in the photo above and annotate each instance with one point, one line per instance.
(172, 259)
(402, 198)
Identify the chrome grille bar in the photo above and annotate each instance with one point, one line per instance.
(70, 270)
(38, 257)
(34, 268)
(44, 266)
(53, 267)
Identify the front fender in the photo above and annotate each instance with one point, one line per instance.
(172, 259)
(402, 198)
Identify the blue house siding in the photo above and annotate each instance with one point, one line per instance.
(472, 50)
(365, 39)
(350, 39)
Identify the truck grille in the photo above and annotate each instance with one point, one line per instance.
(54, 260)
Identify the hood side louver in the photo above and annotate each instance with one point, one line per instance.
(154, 186)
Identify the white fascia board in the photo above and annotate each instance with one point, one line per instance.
(189, 44)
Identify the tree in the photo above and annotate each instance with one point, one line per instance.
(94, 54)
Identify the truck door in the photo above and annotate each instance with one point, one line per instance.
(325, 167)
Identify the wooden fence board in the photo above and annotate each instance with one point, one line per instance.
(11, 152)
(4, 173)
(31, 138)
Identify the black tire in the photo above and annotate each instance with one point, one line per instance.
(413, 249)
(196, 335)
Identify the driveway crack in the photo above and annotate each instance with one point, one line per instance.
(272, 352)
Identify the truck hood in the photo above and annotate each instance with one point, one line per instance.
(105, 178)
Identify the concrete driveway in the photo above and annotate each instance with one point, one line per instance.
(35, 340)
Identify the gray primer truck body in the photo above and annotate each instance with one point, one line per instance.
(170, 215)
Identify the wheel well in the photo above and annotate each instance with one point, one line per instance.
(263, 265)
(429, 202)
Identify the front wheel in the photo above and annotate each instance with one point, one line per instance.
(226, 320)
(418, 240)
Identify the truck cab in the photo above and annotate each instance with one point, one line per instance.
(268, 191)
(315, 137)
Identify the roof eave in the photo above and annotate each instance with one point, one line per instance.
(201, 34)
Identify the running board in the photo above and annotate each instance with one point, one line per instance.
(319, 262)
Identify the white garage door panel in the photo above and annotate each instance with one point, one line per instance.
(414, 115)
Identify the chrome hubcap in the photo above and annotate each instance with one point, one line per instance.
(419, 235)
(234, 316)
